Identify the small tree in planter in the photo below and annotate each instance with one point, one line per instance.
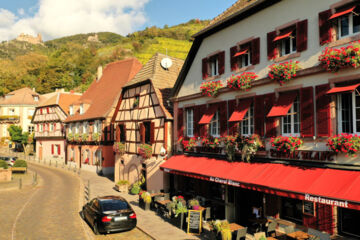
(242, 81)
(119, 148)
(345, 143)
(180, 211)
(230, 146)
(210, 89)
(146, 198)
(283, 72)
(286, 144)
(145, 150)
(122, 186)
(194, 204)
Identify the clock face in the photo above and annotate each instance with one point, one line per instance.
(166, 63)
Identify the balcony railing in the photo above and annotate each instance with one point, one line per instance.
(9, 118)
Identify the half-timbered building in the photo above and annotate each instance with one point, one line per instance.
(311, 94)
(48, 120)
(145, 117)
(89, 130)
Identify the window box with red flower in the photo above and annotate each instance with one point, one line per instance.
(283, 72)
(145, 150)
(210, 89)
(189, 145)
(333, 59)
(210, 145)
(119, 148)
(345, 143)
(242, 81)
(249, 146)
(286, 144)
(230, 146)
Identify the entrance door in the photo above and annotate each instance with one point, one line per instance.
(40, 152)
(80, 160)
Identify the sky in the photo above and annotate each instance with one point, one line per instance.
(59, 18)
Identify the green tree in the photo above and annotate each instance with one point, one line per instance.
(23, 138)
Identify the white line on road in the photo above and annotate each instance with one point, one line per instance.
(19, 213)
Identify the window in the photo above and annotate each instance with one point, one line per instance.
(71, 110)
(247, 124)
(349, 112)
(11, 111)
(77, 128)
(244, 56)
(291, 121)
(348, 25)
(213, 66)
(147, 126)
(292, 209)
(215, 125)
(41, 128)
(85, 127)
(31, 129)
(122, 133)
(81, 108)
(190, 122)
(288, 45)
(30, 112)
(51, 127)
(348, 222)
(97, 126)
(70, 128)
(36, 98)
(136, 101)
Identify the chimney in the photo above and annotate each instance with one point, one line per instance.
(99, 73)
(33, 89)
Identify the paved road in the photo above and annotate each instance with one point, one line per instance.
(49, 211)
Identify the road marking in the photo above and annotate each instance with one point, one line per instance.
(20, 212)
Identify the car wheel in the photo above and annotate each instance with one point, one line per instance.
(82, 214)
(96, 230)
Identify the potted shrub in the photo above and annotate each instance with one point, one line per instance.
(135, 188)
(242, 81)
(180, 212)
(283, 72)
(146, 198)
(286, 144)
(211, 144)
(122, 186)
(145, 150)
(230, 146)
(193, 204)
(77, 137)
(84, 137)
(70, 137)
(345, 143)
(222, 229)
(119, 148)
(95, 137)
(210, 89)
(249, 146)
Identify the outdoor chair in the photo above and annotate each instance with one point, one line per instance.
(260, 235)
(318, 235)
(271, 228)
(241, 233)
(289, 229)
(207, 213)
(166, 196)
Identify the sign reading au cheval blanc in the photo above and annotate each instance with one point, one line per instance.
(325, 156)
(328, 201)
(224, 181)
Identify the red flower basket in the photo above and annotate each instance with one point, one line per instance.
(210, 89)
(283, 72)
(345, 143)
(242, 81)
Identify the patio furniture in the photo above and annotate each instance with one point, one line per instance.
(260, 235)
(241, 233)
(300, 235)
(289, 229)
(207, 215)
(317, 235)
(271, 228)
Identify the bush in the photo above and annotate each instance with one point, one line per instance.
(20, 163)
(135, 189)
(123, 182)
(3, 164)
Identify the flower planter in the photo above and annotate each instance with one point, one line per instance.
(261, 153)
(122, 188)
(179, 221)
(145, 206)
(209, 150)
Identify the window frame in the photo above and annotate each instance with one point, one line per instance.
(250, 122)
(292, 42)
(292, 115)
(51, 127)
(353, 118)
(213, 61)
(215, 121)
(190, 124)
(350, 18)
(241, 59)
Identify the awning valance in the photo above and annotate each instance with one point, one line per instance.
(346, 89)
(241, 110)
(342, 13)
(208, 115)
(323, 185)
(287, 34)
(283, 104)
(241, 52)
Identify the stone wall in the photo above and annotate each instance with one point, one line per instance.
(5, 175)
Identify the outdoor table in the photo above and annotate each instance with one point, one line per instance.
(235, 227)
(271, 238)
(163, 202)
(299, 235)
(157, 194)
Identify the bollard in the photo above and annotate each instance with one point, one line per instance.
(20, 183)
(89, 190)
(50, 163)
(56, 164)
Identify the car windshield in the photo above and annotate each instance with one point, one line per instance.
(113, 205)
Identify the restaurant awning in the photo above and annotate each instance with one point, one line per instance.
(342, 13)
(283, 104)
(241, 52)
(346, 89)
(240, 112)
(323, 185)
(208, 115)
(287, 34)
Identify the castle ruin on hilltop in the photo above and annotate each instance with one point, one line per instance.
(30, 39)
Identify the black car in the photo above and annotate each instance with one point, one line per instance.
(109, 214)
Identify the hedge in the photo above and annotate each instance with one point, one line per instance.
(20, 163)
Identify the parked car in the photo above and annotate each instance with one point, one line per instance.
(9, 160)
(109, 214)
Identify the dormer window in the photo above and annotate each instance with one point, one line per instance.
(71, 110)
(82, 108)
(36, 98)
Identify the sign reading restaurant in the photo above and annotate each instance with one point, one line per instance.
(327, 201)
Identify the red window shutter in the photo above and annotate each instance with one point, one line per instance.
(325, 213)
(223, 118)
(307, 112)
(271, 45)
(259, 115)
(301, 35)
(142, 133)
(59, 150)
(325, 27)
(196, 121)
(54, 126)
(255, 51)
(205, 73)
(323, 121)
(232, 125)
(233, 60)
(269, 101)
(47, 110)
(118, 133)
(152, 132)
(37, 127)
(111, 132)
(221, 59)
(52, 149)
(41, 111)
(180, 123)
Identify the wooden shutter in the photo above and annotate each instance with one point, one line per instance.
(301, 35)
(118, 133)
(54, 127)
(205, 73)
(52, 149)
(325, 27)
(233, 60)
(232, 125)
(47, 110)
(180, 123)
(269, 101)
(142, 132)
(59, 150)
(259, 115)
(271, 45)
(41, 111)
(221, 58)
(196, 121)
(307, 112)
(124, 131)
(223, 120)
(255, 51)
(323, 121)
(152, 132)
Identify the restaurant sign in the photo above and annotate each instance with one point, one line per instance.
(224, 181)
(325, 156)
(327, 201)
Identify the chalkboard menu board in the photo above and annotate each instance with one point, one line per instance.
(309, 208)
(194, 222)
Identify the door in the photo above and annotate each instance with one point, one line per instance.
(40, 152)
(80, 160)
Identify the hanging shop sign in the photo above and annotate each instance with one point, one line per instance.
(325, 156)
(328, 201)
(309, 208)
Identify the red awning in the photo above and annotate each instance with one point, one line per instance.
(241, 111)
(287, 34)
(241, 52)
(283, 105)
(342, 13)
(328, 186)
(208, 115)
(346, 89)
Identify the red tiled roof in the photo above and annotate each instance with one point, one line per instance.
(22, 96)
(104, 93)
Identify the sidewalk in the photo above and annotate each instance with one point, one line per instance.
(148, 221)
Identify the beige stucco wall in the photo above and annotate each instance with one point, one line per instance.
(20, 110)
(5, 175)
(46, 149)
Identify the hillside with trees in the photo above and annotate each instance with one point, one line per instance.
(71, 62)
